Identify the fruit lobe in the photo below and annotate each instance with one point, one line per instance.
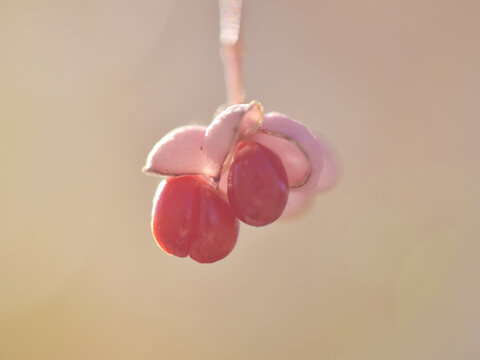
(190, 217)
(257, 186)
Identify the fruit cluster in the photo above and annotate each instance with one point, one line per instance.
(244, 166)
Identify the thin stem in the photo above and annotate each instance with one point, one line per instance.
(231, 49)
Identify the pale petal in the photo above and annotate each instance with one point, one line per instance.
(224, 131)
(331, 167)
(180, 152)
(304, 170)
(294, 159)
(298, 203)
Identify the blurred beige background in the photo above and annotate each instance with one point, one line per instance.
(385, 266)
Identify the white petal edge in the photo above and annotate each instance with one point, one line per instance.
(230, 125)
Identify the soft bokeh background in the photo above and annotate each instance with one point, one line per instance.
(385, 266)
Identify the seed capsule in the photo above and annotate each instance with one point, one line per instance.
(257, 184)
(191, 217)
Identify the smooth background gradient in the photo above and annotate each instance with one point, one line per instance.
(385, 266)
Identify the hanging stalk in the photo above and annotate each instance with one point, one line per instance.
(231, 49)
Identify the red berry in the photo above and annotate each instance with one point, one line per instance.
(190, 217)
(257, 184)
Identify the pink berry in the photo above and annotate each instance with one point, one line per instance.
(190, 217)
(257, 184)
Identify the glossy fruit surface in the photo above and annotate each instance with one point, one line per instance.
(257, 184)
(190, 217)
